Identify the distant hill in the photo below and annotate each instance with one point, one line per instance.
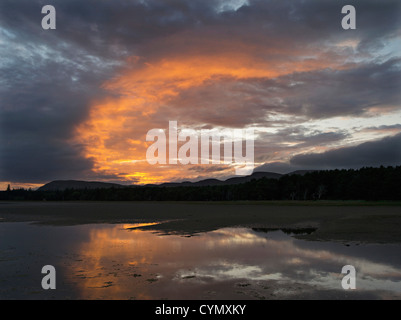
(255, 175)
(301, 172)
(206, 182)
(74, 184)
(230, 181)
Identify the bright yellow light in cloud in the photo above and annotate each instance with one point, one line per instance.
(114, 133)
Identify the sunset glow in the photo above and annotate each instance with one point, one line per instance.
(288, 70)
(114, 134)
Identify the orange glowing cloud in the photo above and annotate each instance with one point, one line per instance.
(114, 133)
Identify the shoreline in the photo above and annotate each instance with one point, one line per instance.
(333, 221)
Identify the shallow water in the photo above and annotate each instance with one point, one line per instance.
(121, 261)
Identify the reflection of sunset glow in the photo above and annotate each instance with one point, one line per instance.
(229, 237)
(114, 133)
(117, 263)
(139, 225)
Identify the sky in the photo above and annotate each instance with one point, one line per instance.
(77, 102)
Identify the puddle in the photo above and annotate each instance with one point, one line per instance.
(123, 261)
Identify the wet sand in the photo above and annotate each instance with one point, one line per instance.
(332, 221)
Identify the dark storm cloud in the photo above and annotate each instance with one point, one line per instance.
(109, 28)
(38, 160)
(103, 28)
(41, 102)
(386, 151)
(288, 141)
(311, 95)
(328, 93)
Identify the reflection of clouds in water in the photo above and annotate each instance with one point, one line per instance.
(221, 255)
(104, 261)
(230, 237)
(363, 281)
(284, 260)
(227, 271)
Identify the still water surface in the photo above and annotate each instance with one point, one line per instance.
(121, 261)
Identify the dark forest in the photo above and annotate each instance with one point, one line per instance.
(371, 184)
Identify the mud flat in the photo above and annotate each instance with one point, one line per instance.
(370, 222)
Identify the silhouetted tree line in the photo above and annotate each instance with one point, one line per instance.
(362, 184)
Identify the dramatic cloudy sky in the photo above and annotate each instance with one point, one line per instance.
(77, 102)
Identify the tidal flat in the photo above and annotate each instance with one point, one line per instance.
(364, 222)
(186, 250)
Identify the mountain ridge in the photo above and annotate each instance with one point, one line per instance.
(77, 184)
(60, 185)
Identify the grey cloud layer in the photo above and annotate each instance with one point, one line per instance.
(313, 95)
(386, 152)
(49, 78)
